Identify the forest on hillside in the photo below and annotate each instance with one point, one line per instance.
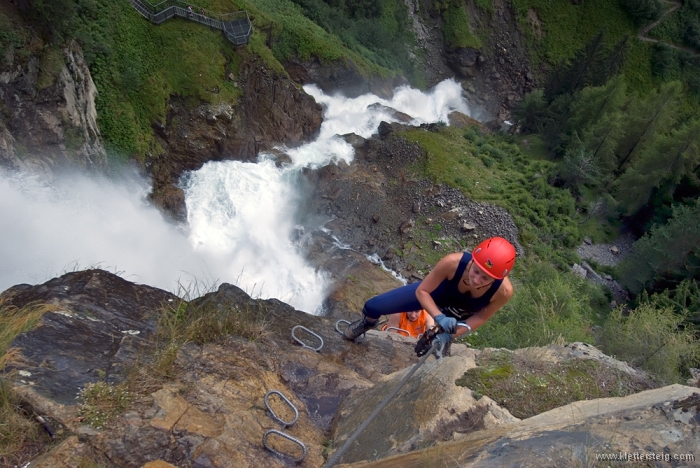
(612, 132)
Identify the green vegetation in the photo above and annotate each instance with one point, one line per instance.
(497, 169)
(200, 321)
(138, 67)
(549, 306)
(654, 339)
(567, 28)
(375, 30)
(20, 437)
(102, 401)
(14, 321)
(682, 27)
(667, 253)
(456, 30)
(527, 384)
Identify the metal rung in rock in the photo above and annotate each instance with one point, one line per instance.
(288, 437)
(400, 330)
(304, 344)
(274, 415)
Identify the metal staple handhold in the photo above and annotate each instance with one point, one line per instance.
(288, 437)
(302, 343)
(274, 415)
(400, 330)
(359, 339)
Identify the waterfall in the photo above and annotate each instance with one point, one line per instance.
(241, 216)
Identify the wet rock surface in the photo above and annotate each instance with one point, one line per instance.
(605, 255)
(272, 111)
(378, 208)
(49, 122)
(648, 423)
(211, 412)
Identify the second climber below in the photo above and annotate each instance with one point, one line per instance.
(463, 287)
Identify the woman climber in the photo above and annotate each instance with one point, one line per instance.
(461, 293)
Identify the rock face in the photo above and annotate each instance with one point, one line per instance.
(94, 324)
(657, 425)
(374, 206)
(496, 76)
(212, 411)
(429, 408)
(341, 77)
(49, 116)
(271, 112)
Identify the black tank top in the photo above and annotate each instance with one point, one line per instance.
(461, 305)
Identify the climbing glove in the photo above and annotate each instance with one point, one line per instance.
(448, 324)
(444, 340)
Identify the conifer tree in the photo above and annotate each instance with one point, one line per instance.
(646, 119)
(578, 167)
(670, 252)
(532, 112)
(661, 164)
(568, 79)
(597, 116)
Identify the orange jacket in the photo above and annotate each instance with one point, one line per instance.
(416, 328)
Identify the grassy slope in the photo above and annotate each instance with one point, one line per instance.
(567, 28)
(138, 66)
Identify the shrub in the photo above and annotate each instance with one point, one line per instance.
(531, 112)
(547, 306)
(101, 401)
(456, 30)
(17, 430)
(642, 11)
(663, 59)
(651, 338)
(692, 34)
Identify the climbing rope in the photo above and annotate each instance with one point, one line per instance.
(336, 456)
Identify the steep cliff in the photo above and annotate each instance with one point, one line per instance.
(48, 117)
(147, 394)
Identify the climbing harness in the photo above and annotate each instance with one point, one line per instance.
(358, 340)
(336, 456)
(288, 437)
(304, 344)
(400, 330)
(272, 412)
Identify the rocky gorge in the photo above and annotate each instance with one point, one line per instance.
(208, 407)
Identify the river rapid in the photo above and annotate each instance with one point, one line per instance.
(242, 216)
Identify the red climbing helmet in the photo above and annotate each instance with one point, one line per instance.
(495, 256)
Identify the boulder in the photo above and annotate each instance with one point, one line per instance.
(429, 407)
(660, 422)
